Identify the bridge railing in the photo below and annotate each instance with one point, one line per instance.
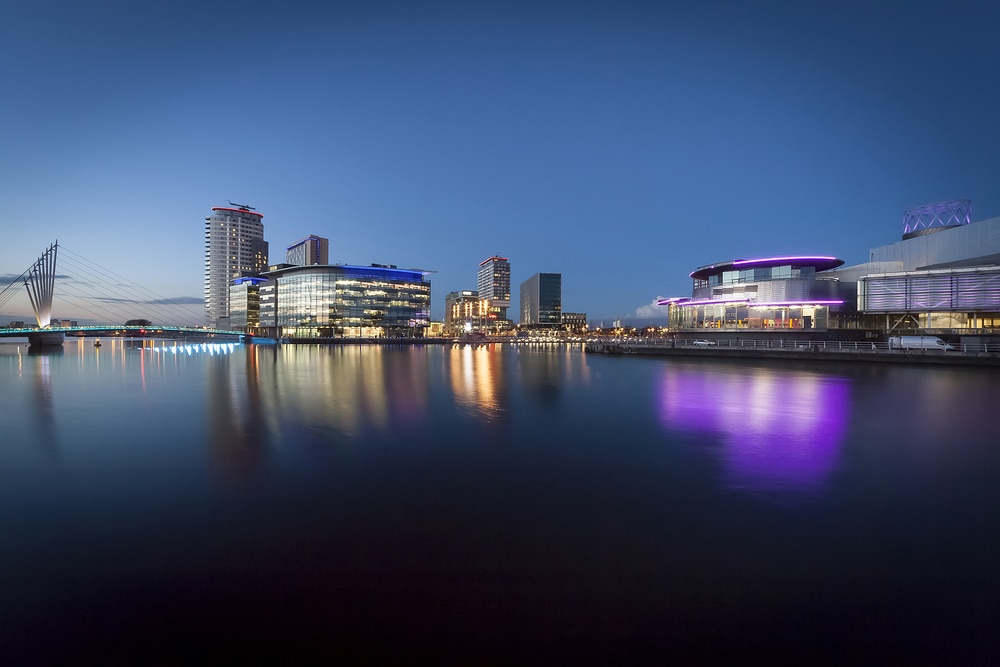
(789, 345)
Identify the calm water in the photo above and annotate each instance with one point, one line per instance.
(492, 504)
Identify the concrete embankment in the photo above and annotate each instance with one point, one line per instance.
(881, 356)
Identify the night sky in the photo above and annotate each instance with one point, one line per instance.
(621, 144)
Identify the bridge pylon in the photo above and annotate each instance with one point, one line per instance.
(40, 282)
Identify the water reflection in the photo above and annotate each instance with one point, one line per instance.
(541, 372)
(478, 379)
(43, 404)
(780, 430)
(27, 389)
(237, 433)
(345, 390)
(189, 349)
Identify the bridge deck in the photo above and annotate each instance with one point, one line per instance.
(109, 329)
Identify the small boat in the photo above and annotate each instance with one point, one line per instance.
(97, 343)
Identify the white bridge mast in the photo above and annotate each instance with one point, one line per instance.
(40, 283)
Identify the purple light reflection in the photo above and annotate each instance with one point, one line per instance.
(781, 432)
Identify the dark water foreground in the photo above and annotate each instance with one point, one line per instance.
(492, 505)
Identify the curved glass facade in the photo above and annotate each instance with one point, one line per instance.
(749, 315)
(760, 294)
(351, 302)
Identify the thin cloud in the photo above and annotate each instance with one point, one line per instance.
(178, 301)
(11, 277)
(651, 310)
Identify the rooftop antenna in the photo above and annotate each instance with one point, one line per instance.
(246, 207)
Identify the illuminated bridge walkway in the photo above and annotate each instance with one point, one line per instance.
(107, 297)
(119, 330)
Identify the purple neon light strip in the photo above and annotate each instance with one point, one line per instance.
(761, 260)
(706, 302)
(821, 302)
(738, 262)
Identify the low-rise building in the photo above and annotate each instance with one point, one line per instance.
(575, 322)
(463, 312)
(761, 294)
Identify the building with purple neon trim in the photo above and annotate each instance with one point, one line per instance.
(942, 277)
(766, 293)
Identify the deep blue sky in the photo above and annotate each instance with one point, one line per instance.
(621, 144)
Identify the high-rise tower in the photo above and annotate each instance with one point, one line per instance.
(494, 279)
(234, 247)
(494, 287)
(541, 300)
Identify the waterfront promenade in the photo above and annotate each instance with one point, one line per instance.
(981, 354)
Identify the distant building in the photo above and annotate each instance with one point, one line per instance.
(267, 300)
(234, 247)
(343, 301)
(541, 300)
(493, 284)
(310, 250)
(463, 312)
(574, 322)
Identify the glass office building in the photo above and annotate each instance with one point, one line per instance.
(541, 300)
(244, 304)
(342, 301)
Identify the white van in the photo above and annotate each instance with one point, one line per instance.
(919, 343)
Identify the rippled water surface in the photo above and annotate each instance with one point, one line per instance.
(492, 504)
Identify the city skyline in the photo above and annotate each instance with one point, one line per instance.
(639, 139)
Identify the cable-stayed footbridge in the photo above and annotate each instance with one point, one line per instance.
(115, 304)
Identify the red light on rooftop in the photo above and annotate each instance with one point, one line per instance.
(237, 210)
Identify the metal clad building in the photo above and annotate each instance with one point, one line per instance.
(974, 244)
(948, 280)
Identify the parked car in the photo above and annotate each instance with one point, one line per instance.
(702, 342)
